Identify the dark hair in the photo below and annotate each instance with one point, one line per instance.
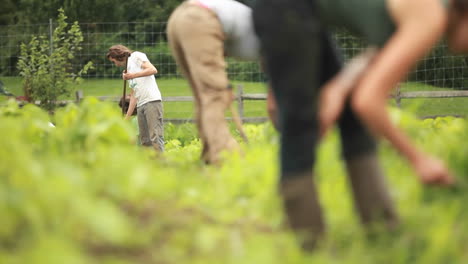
(118, 52)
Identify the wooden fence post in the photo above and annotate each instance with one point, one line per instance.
(240, 100)
(398, 96)
(78, 96)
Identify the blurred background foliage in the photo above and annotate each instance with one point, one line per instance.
(83, 192)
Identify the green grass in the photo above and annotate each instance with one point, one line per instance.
(432, 106)
(413, 87)
(13, 84)
(179, 87)
(113, 87)
(168, 87)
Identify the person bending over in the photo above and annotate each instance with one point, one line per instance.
(312, 93)
(201, 33)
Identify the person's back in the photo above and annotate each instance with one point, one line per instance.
(370, 19)
(236, 21)
(146, 88)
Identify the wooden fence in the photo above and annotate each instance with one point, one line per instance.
(398, 96)
(241, 97)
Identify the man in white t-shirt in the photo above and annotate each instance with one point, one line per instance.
(144, 95)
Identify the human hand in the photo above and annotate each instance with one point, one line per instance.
(127, 76)
(331, 104)
(335, 92)
(230, 96)
(433, 171)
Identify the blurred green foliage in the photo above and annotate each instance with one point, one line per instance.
(84, 192)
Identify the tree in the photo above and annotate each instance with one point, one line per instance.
(46, 64)
(7, 12)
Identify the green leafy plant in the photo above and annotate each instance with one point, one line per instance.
(82, 193)
(46, 64)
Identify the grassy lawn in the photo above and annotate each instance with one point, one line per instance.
(432, 106)
(168, 87)
(179, 87)
(413, 87)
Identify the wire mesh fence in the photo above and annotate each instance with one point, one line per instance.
(437, 70)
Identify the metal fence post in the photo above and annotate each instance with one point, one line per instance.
(51, 36)
(51, 49)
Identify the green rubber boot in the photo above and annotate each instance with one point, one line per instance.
(302, 208)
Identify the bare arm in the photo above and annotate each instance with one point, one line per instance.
(348, 77)
(148, 69)
(272, 108)
(131, 106)
(413, 39)
(335, 91)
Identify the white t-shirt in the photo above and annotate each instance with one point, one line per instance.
(145, 88)
(236, 20)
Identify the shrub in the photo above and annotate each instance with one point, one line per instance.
(46, 65)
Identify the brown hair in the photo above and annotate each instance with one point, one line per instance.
(118, 52)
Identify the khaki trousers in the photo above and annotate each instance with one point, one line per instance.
(196, 39)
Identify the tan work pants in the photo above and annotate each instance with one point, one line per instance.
(196, 39)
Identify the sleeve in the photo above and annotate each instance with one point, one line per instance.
(142, 57)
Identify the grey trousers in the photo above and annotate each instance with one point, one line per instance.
(151, 126)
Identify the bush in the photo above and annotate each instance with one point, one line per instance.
(46, 65)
